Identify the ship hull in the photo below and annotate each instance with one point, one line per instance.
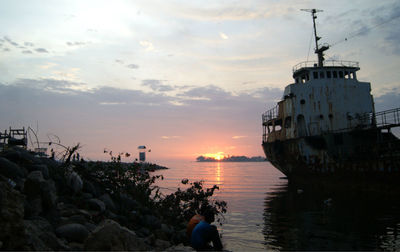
(347, 155)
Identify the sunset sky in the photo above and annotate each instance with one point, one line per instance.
(184, 78)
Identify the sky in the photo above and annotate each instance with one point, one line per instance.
(184, 78)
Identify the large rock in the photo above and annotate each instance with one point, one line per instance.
(111, 236)
(10, 169)
(127, 203)
(96, 205)
(73, 232)
(12, 230)
(39, 167)
(40, 190)
(41, 237)
(88, 187)
(151, 221)
(106, 198)
(74, 182)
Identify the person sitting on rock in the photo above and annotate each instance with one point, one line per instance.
(203, 233)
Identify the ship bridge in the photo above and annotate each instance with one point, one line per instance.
(331, 69)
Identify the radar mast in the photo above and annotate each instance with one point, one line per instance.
(318, 50)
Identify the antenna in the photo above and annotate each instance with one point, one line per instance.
(318, 51)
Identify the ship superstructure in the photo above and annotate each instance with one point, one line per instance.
(326, 123)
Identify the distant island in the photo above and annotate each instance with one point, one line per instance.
(231, 159)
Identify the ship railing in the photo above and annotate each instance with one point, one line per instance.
(327, 63)
(388, 118)
(382, 120)
(270, 115)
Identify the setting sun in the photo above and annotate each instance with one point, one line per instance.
(217, 156)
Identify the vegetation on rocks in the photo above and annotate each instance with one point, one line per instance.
(75, 205)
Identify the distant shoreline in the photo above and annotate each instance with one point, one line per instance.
(232, 159)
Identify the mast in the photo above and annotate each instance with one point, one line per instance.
(318, 51)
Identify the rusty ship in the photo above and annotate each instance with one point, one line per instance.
(326, 126)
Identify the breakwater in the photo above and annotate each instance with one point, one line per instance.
(51, 205)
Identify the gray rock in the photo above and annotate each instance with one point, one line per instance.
(88, 187)
(128, 203)
(180, 247)
(10, 169)
(152, 221)
(161, 244)
(41, 237)
(87, 196)
(111, 236)
(12, 229)
(96, 205)
(74, 182)
(40, 167)
(37, 189)
(108, 201)
(73, 232)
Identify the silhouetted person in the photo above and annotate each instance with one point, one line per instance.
(203, 234)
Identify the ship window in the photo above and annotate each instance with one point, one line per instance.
(315, 75)
(340, 74)
(277, 128)
(346, 75)
(321, 116)
(307, 77)
(334, 74)
(288, 122)
(328, 74)
(322, 75)
(302, 101)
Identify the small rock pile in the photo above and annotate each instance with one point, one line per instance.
(46, 205)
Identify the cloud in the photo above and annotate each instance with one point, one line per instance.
(147, 45)
(156, 85)
(10, 41)
(170, 137)
(132, 66)
(41, 50)
(76, 43)
(27, 52)
(6, 49)
(238, 137)
(28, 44)
(119, 61)
(223, 35)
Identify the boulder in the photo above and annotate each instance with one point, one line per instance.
(41, 237)
(161, 244)
(10, 169)
(151, 221)
(37, 189)
(109, 235)
(88, 187)
(96, 205)
(127, 203)
(73, 232)
(39, 167)
(12, 230)
(74, 182)
(180, 247)
(106, 198)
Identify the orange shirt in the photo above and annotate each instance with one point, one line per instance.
(193, 222)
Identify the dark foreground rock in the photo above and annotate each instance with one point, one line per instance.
(48, 205)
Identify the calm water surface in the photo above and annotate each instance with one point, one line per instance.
(265, 213)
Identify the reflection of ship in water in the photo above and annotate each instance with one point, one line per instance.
(318, 219)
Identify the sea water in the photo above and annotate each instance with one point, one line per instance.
(266, 213)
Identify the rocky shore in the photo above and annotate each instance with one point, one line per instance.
(51, 205)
